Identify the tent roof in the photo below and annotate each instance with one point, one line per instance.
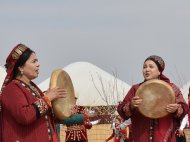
(82, 74)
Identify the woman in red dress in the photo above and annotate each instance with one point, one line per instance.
(121, 131)
(26, 114)
(153, 130)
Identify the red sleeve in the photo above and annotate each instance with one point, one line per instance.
(183, 106)
(18, 105)
(124, 108)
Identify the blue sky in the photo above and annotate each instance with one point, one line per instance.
(116, 36)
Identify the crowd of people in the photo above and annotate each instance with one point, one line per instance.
(26, 113)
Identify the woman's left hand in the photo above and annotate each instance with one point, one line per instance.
(171, 108)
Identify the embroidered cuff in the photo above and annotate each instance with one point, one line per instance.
(41, 105)
(127, 109)
(179, 111)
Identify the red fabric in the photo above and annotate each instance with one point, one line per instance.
(164, 128)
(19, 120)
(189, 105)
(78, 132)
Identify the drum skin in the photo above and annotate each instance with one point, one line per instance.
(62, 106)
(156, 95)
(187, 134)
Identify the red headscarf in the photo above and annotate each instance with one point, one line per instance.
(11, 61)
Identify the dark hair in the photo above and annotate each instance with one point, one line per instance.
(21, 61)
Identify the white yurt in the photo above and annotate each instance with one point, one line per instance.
(2, 75)
(91, 84)
(185, 91)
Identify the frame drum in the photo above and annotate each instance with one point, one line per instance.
(156, 95)
(62, 106)
(187, 134)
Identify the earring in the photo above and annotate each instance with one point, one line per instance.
(21, 72)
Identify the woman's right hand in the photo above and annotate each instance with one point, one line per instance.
(55, 93)
(135, 102)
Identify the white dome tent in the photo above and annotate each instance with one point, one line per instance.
(88, 79)
(2, 75)
(185, 91)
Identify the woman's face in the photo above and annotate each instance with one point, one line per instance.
(31, 67)
(150, 70)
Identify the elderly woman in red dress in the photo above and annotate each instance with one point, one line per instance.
(26, 114)
(153, 130)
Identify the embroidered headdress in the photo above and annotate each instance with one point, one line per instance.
(11, 61)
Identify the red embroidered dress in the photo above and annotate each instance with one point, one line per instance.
(78, 132)
(26, 117)
(157, 130)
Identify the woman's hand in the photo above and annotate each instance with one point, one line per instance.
(55, 93)
(171, 108)
(135, 102)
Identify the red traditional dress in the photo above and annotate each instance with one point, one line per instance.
(157, 130)
(121, 132)
(78, 132)
(26, 117)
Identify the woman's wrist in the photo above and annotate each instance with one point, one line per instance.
(47, 100)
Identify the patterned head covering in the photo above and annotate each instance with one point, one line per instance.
(158, 61)
(11, 61)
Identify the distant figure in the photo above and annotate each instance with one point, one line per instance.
(184, 124)
(77, 128)
(77, 124)
(121, 130)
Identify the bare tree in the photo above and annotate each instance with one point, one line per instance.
(108, 92)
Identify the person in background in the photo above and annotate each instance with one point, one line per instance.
(180, 136)
(74, 119)
(26, 114)
(76, 124)
(184, 124)
(145, 129)
(77, 127)
(121, 130)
